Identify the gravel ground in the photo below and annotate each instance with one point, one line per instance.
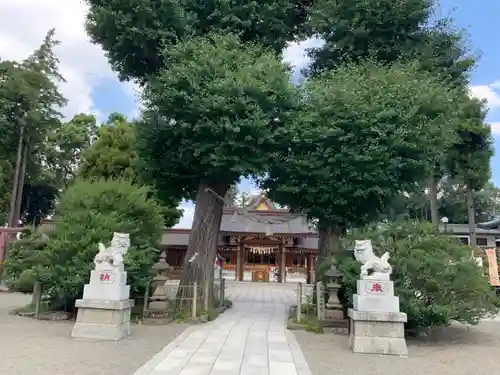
(31, 347)
(454, 350)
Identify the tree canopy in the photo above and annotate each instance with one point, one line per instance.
(215, 113)
(113, 154)
(29, 113)
(88, 213)
(387, 31)
(138, 35)
(435, 277)
(365, 133)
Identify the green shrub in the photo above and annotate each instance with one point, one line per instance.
(434, 275)
(88, 213)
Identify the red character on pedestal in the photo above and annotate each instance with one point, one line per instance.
(377, 288)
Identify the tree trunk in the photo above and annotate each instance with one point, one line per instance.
(328, 245)
(433, 198)
(20, 188)
(471, 213)
(202, 247)
(15, 180)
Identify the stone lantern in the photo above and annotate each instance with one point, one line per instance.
(334, 309)
(158, 300)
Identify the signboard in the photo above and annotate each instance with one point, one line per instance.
(493, 267)
(106, 277)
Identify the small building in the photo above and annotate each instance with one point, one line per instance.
(259, 243)
(487, 234)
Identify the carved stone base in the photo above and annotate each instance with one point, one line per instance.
(334, 314)
(377, 333)
(102, 320)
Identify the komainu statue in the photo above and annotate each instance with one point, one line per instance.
(112, 256)
(363, 252)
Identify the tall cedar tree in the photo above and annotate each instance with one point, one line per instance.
(29, 111)
(365, 133)
(218, 111)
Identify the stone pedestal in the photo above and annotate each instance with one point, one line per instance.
(104, 311)
(102, 320)
(377, 326)
(334, 309)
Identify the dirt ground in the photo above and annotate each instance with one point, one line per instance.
(454, 350)
(31, 347)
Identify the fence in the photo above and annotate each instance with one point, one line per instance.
(162, 302)
(311, 299)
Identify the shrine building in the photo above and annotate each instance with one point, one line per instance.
(258, 243)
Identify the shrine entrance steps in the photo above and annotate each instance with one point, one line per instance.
(249, 339)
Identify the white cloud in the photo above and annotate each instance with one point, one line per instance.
(24, 23)
(495, 127)
(490, 93)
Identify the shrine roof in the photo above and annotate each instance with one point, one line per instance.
(281, 222)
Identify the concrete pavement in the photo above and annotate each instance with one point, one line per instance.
(248, 339)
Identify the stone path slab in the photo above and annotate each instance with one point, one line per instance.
(249, 339)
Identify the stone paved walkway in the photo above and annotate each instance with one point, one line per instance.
(248, 339)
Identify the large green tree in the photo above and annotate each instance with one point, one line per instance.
(387, 31)
(52, 166)
(217, 111)
(66, 146)
(436, 278)
(113, 154)
(137, 35)
(451, 202)
(29, 105)
(88, 213)
(469, 157)
(365, 133)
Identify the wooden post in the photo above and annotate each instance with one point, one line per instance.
(299, 303)
(283, 264)
(320, 301)
(308, 269)
(313, 269)
(37, 297)
(207, 296)
(239, 265)
(222, 292)
(195, 297)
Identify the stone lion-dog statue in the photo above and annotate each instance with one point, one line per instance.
(370, 263)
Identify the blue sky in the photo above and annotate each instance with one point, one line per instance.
(92, 87)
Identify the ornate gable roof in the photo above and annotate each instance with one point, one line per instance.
(261, 203)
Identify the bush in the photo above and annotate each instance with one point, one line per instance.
(434, 275)
(88, 213)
